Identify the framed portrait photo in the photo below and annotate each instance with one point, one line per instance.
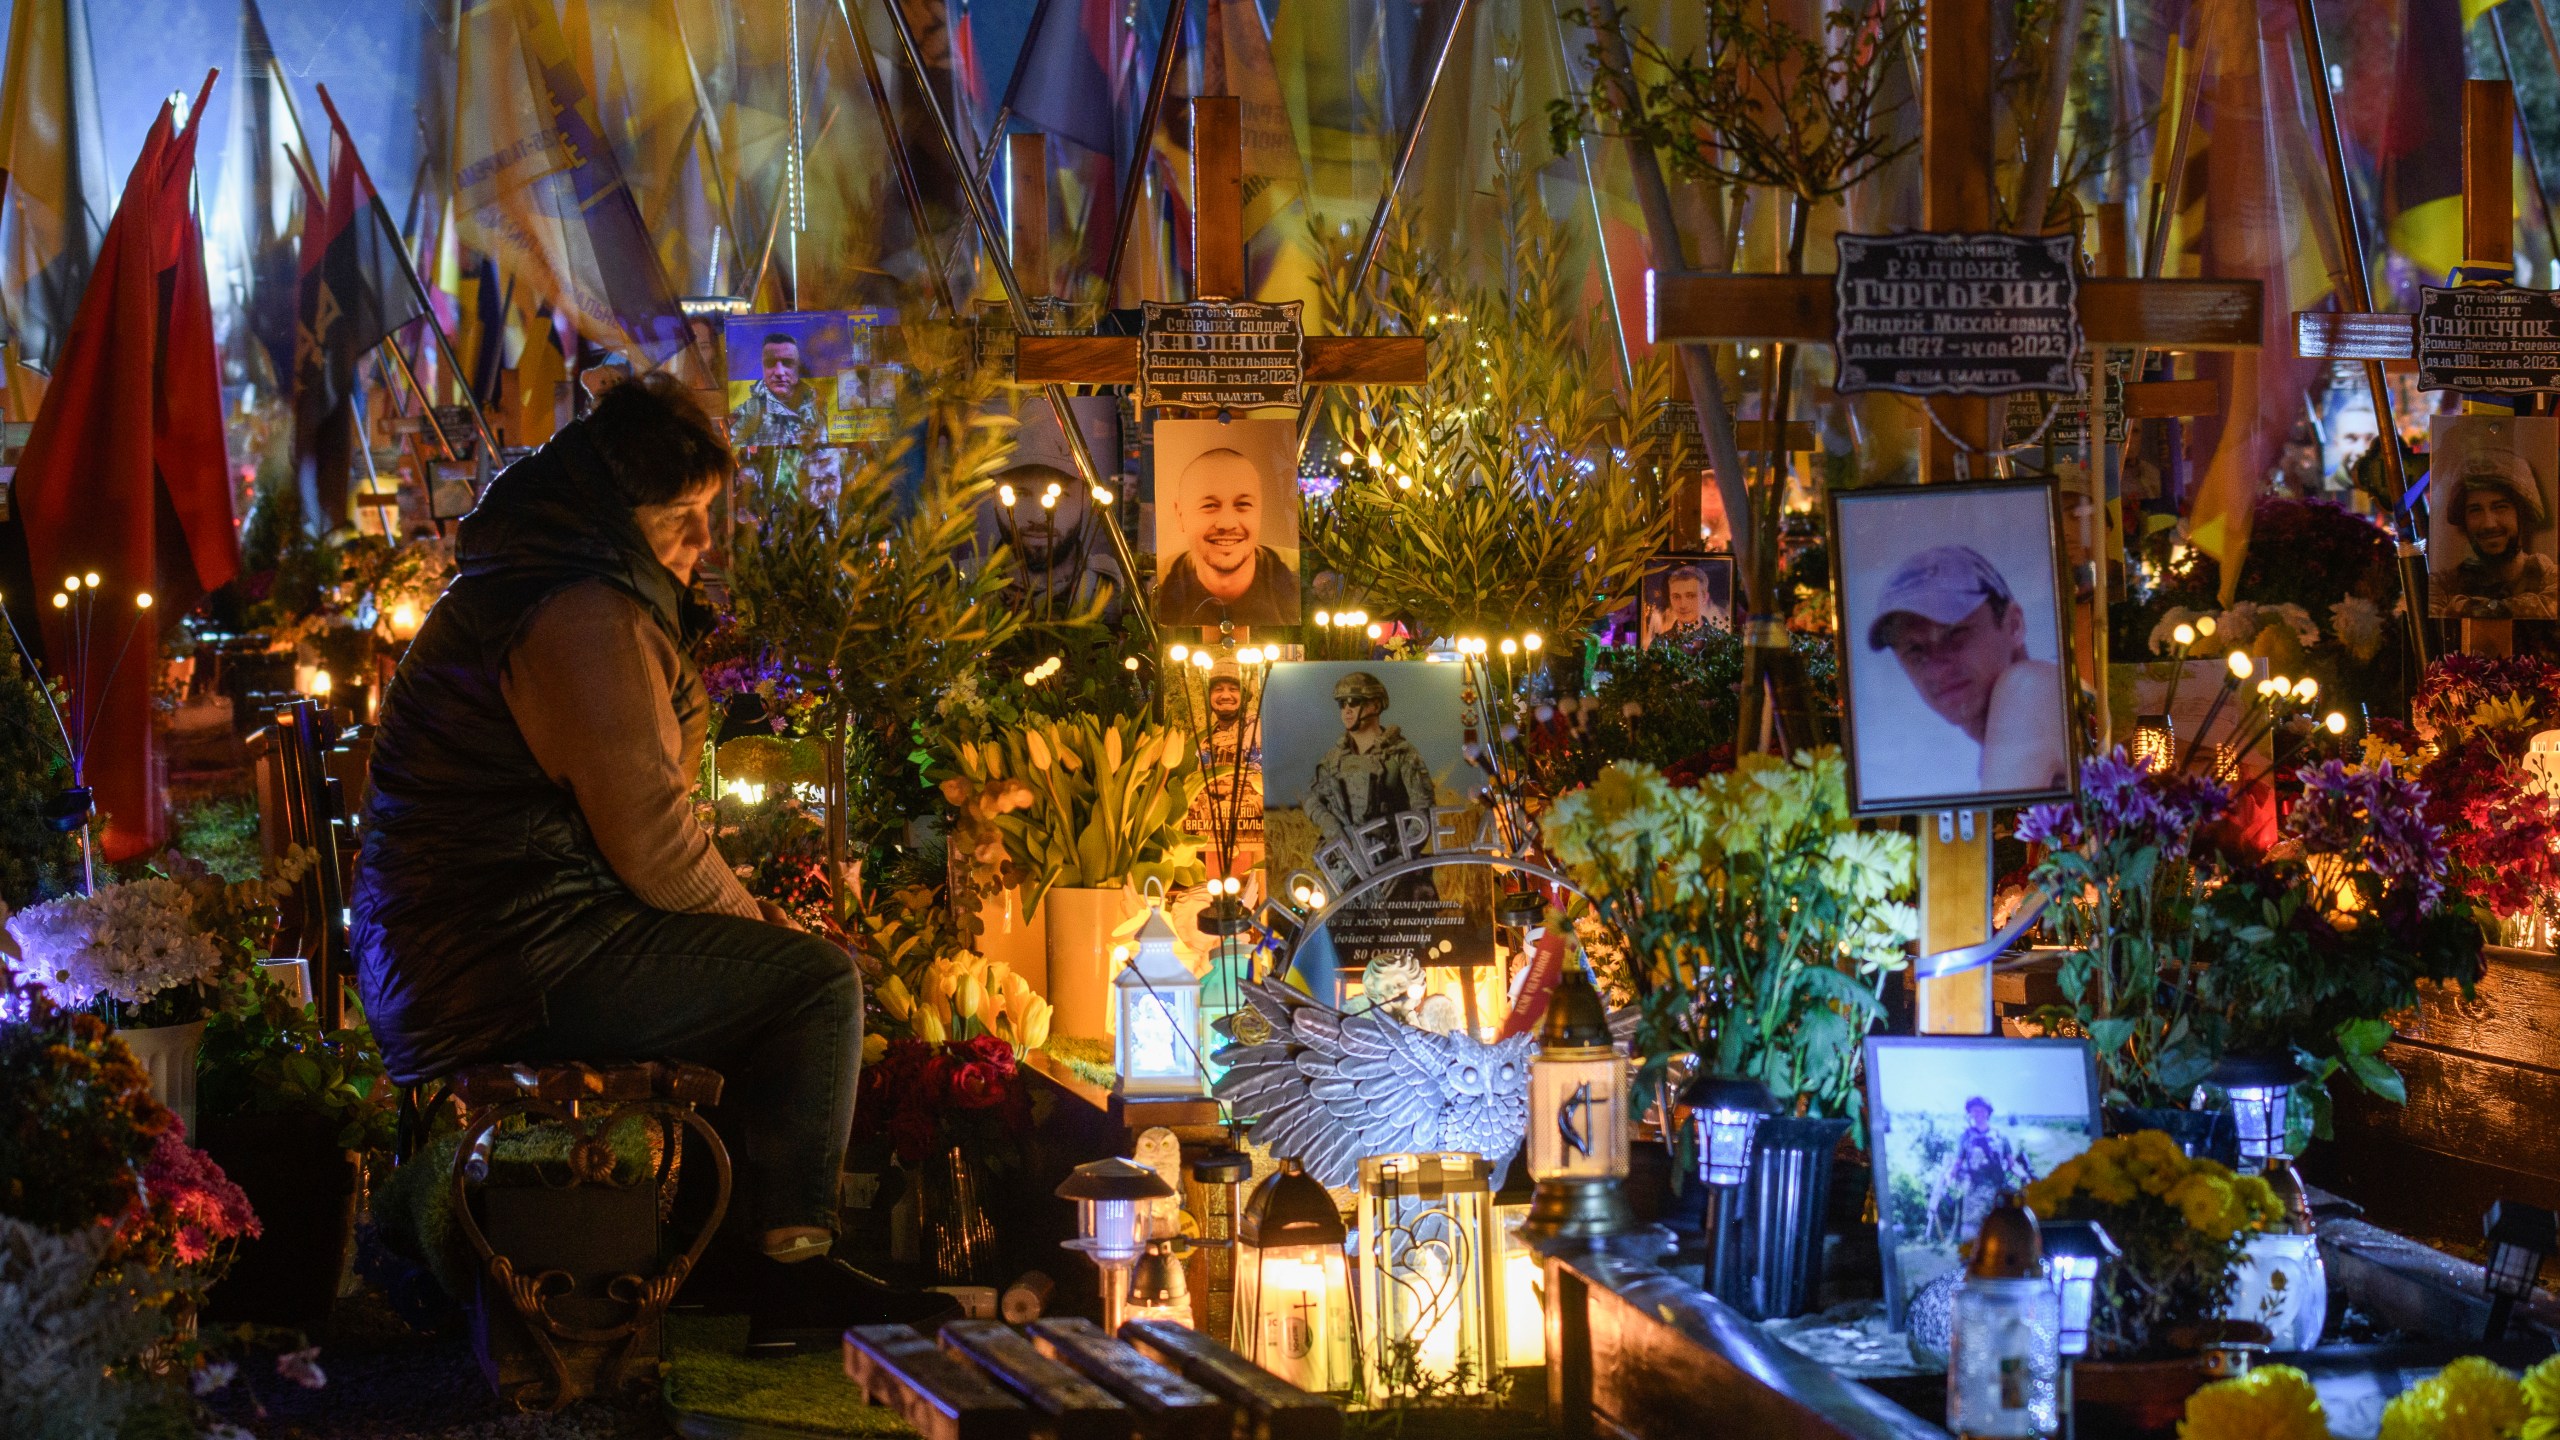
(1954, 1123)
(1226, 518)
(1682, 592)
(1956, 687)
(2491, 551)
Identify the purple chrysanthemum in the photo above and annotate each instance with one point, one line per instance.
(2376, 818)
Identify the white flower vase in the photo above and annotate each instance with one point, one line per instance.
(2281, 1283)
(1080, 925)
(167, 1053)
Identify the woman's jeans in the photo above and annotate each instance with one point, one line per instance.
(776, 1012)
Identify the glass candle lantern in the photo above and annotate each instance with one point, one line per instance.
(1426, 1303)
(1158, 1041)
(1577, 1089)
(1160, 1287)
(1519, 1274)
(2004, 1360)
(2076, 1253)
(1577, 1138)
(2260, 1088)
(1292, 1292)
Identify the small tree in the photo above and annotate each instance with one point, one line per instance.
(1517, 489)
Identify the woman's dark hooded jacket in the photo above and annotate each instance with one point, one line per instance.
(479, 884)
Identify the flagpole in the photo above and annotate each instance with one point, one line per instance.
(995, 251)
(906, 168)
(1404, 160)
(409, 270)
(1123, 222)
(2360, 293)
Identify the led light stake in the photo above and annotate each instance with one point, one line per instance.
(1726, 1111)
(2520, 1238)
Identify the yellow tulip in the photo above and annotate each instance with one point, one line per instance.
(895, 998)
(1111, 748)
(972, 994)
(874, 1047)
(929, 1028)
(1039, 749)
(1035, 1031)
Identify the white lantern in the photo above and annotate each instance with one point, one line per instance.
(1158, 1045)
(2076, 1253)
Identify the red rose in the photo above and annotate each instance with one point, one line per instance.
(977, 1086)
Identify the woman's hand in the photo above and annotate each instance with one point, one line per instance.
(776, 915)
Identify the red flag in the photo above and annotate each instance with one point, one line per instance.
(146, 507)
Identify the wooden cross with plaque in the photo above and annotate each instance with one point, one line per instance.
(1220, 352)
(1218, 275)
(2486, 337)
(2038, 317)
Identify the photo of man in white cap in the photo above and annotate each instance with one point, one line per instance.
(2490, 542)
(1960, 634)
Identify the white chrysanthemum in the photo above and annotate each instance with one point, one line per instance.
(128, 942)
(2358, 623)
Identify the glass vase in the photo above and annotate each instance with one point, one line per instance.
(959, 1241)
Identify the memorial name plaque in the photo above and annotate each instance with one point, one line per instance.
(2068, 429)
(1222, 355)
(1958, 314)
(2488, 339)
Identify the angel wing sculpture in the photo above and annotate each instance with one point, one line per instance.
(1331, 1089)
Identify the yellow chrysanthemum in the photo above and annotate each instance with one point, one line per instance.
(2541, 1387)
(2472, 1399)
(2272, 1402)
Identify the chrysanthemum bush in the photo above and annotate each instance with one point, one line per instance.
(2182, 1224)
(2471, 1399)
(2185, 947)
(2472, 723)
(1760, 922)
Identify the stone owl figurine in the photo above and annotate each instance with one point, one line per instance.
(1329, 1090)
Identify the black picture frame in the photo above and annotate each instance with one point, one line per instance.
(2038, 502)
(1978, 1057)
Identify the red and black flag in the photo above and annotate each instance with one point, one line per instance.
(355, 291)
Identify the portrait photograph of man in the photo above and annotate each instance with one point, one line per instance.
(780, 406)
(1951, 625)
(1226, 522)
(1062, 559)
(2490, 543)
(1683, 592)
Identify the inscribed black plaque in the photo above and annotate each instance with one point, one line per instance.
(1923, 313)
(2488, 339)
(1222, 355)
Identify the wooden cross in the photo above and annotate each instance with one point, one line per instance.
(2488, 247)
(1956, 147)
(1218, 273)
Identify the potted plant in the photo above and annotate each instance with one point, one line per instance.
(2184, 949)
(1760, 926)
(1106, 805)
(134, 954)
(2182, 1225)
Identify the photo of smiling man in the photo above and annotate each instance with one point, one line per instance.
(1226, 522)
(2490, 543)
(1950, 632)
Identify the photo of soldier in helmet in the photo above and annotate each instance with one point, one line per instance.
(1372, 773)
(2490, 544)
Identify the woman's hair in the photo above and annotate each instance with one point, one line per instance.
(656, 441)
